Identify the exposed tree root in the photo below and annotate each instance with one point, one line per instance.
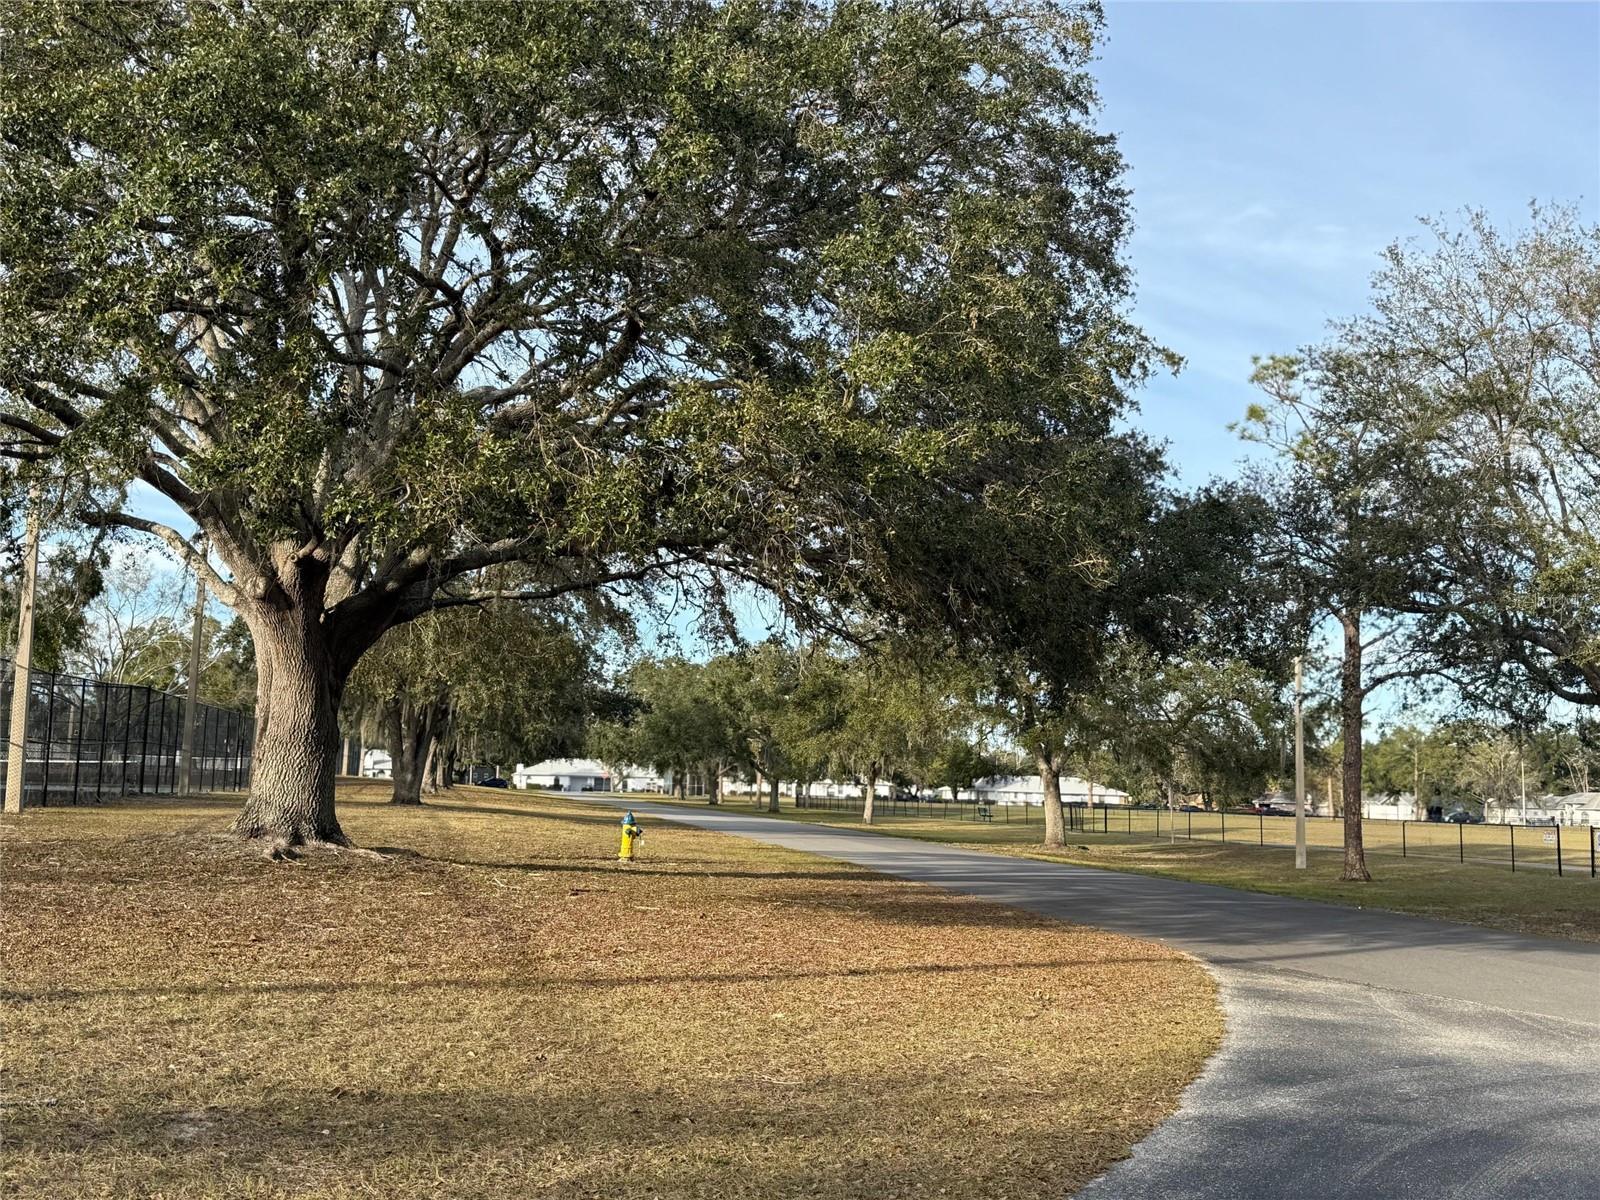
(278, 849)
(280, 845)
(359, 852)
(281, 849)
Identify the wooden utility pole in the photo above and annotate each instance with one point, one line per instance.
(1416, 772)
(17, 740)
(1522, 767)
(23, 664)
(1299, 774)
(191, 710)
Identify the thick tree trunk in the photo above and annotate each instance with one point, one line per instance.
(264, 688)
(772, 795)
(430, 767)
(1351, 703)
(1055, 817)
(445, 745)
(297, 734)
(409, 736)
(869, 798)
(716, 788)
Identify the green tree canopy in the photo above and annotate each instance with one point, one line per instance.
(1489, 345)
(681, 719)
(827, 296)
(1346, 546)
(505, 678)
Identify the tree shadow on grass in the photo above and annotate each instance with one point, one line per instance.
(445, 805)
(689, 869)
(915, 905)
(753, 1132)
(391, 987)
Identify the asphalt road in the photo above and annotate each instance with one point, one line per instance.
(1367, 1055)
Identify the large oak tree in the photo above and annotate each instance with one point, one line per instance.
(381, 295)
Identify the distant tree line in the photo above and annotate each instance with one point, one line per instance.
(928, 719)
(1435, 480)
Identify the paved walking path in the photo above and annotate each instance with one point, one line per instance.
(1368, 1054)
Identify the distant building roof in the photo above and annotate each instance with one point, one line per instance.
(1575, 800)
(1071, 785)
(580, 766)
(565, 766)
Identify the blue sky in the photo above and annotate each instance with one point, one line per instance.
(1275, 148)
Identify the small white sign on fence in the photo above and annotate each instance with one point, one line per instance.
(1549, 839)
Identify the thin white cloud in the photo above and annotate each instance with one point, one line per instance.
(1257, 235)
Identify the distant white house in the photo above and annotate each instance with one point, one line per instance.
(635, 778)
(1029, 789)
(1393, 808)
(1580, 808)
(1011, 789)
(1406, 807)
(377, 764)
(832, 789)
(585, 775)
(564, 775)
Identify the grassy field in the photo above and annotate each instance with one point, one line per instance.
(499, 1009)
(1528, 901)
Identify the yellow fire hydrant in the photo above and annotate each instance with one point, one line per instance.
(631, 833)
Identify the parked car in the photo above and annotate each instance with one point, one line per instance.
(1190, 808)
(493, 781)
(1462, 817)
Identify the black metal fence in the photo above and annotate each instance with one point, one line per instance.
(902, 806)
(1566, 850)
(88, 739)
(1571, 850)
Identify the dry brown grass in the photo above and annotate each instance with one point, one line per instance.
(501, 1010)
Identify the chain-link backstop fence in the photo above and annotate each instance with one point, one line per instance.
(89, 739)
